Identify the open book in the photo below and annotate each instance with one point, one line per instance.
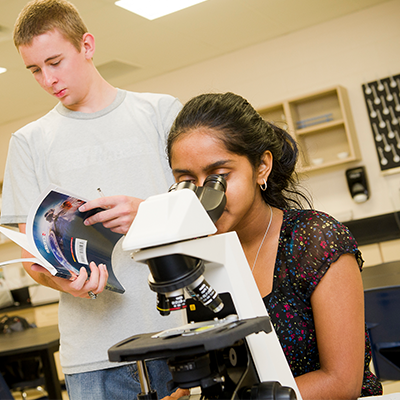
(59, 241)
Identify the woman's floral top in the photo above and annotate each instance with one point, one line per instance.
(310, 241)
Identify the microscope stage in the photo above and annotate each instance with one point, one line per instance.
(151, 345)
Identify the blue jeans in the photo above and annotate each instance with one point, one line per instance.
(119, 383)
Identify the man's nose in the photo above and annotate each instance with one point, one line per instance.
(48, 78)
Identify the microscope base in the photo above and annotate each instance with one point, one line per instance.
(212, 356)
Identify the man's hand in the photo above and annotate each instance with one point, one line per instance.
(118, 215)
(81, 285)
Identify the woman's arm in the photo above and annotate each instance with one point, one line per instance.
(338, 309)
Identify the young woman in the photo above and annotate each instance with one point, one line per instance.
(305, 263)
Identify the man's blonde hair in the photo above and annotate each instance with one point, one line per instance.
(41, 16)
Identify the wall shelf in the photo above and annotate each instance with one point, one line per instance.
(322, 125)
(319, 127)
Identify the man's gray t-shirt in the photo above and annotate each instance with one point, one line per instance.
(120, 149)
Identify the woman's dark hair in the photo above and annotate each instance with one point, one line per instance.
(244, 132)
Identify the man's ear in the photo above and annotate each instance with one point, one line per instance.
(88, 44)
(265, 167)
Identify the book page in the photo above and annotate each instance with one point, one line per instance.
(21, 240)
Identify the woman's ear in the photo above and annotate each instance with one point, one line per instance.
(88, 45)
(265, 167)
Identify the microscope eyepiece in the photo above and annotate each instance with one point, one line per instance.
(216, 182)
(183, 185)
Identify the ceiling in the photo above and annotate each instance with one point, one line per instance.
(130, 48)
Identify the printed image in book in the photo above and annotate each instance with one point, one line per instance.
(57, 237)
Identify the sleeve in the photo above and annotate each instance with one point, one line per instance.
(324, 240)
(20, 186)
(174, 109)
(171, 112)
(167, 109)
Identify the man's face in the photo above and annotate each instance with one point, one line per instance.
(58, 67)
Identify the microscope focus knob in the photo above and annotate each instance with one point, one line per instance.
(272, 391)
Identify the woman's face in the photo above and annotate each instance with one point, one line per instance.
(198, 154)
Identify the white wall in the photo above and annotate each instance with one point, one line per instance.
(348, 51)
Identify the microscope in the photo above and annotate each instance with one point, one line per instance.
(228, 349)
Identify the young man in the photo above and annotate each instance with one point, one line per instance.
(96, 136)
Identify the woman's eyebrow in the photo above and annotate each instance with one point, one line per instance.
(217, 164)
(180, 171)
(208, 167)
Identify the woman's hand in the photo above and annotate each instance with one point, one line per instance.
(177, 394)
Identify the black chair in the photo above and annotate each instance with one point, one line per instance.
(26, 377)
(5, 393)
(24, 374)
(382, 316)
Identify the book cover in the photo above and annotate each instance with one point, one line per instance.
(58, 239)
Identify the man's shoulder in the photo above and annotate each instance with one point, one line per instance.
(160, 104)
(150, 97)
(37, 124)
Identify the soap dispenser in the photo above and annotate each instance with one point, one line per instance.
(358, 185)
